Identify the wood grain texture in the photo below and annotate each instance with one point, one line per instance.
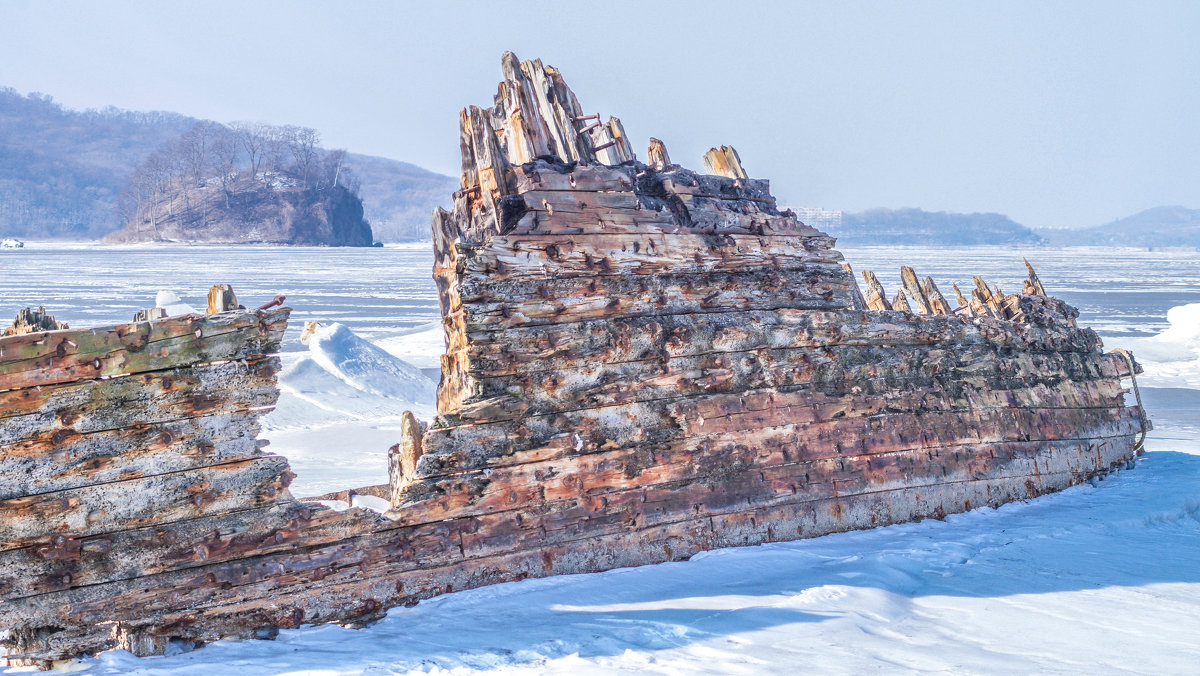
(642, 363)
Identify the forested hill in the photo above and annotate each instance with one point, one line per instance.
(918, 227)
(62, 171)
(241, 184)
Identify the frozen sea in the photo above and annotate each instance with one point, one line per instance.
(1103, 577)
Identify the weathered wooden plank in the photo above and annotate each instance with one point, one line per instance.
(602, 254)
(541, 175)
(60, 563)
(63, 356)
(618, 502)
(535, 438)
(539, 348)
(807, 458)
(835, 370)
(145, 449)
(501, 303)
(55, 414)
(699, 215)
(159, 499)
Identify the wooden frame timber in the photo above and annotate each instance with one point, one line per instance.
(642, 362)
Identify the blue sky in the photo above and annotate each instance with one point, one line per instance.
(1056, 113)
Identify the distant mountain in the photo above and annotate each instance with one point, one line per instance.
(399, 197)
(62, 171)
(918, 227)
(1157, 227)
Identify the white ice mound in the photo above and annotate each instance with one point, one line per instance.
(1172, 358)
(364, 366)
(172, 303)
(343, 377)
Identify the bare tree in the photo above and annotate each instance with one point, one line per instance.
(224, 156)
(331, 168)
(302, 144)
(252, 137)
(275, 149)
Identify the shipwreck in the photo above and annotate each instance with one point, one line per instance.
(642, 362)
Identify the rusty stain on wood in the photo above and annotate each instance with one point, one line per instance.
(643, 362)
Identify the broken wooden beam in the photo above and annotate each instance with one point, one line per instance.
(656, 155)
(920, 304)
(221, 299)
(724, 161)
(29, 320)
(937, 302)
(876, 296)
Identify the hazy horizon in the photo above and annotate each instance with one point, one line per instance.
(1071, 114)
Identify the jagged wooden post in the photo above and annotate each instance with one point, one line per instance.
(963, 303)
(656, 155)
(30, 321)
(987, 298)
(150, 314)
(1033, 279)
(980, 306)
(724, 161)
(876, 296)
(919, 301)
(900, 302)
(937, 302)
(859, 302)
(612, 147)
(403, 457)
(221, 299)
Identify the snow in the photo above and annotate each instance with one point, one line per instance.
(1098, 578)
(339, 410)
(171, 302)
(1172, 357)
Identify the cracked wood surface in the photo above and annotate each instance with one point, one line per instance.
(643, 363)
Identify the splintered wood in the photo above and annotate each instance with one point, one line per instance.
(29, 320)
(643, 363)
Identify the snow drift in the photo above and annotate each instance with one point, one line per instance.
(339, 410)
(1171, 358)
(343, 377)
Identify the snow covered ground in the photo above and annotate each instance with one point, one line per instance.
(1099, 578)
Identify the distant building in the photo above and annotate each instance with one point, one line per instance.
(824, 220)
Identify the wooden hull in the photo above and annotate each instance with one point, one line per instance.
(642, 363)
